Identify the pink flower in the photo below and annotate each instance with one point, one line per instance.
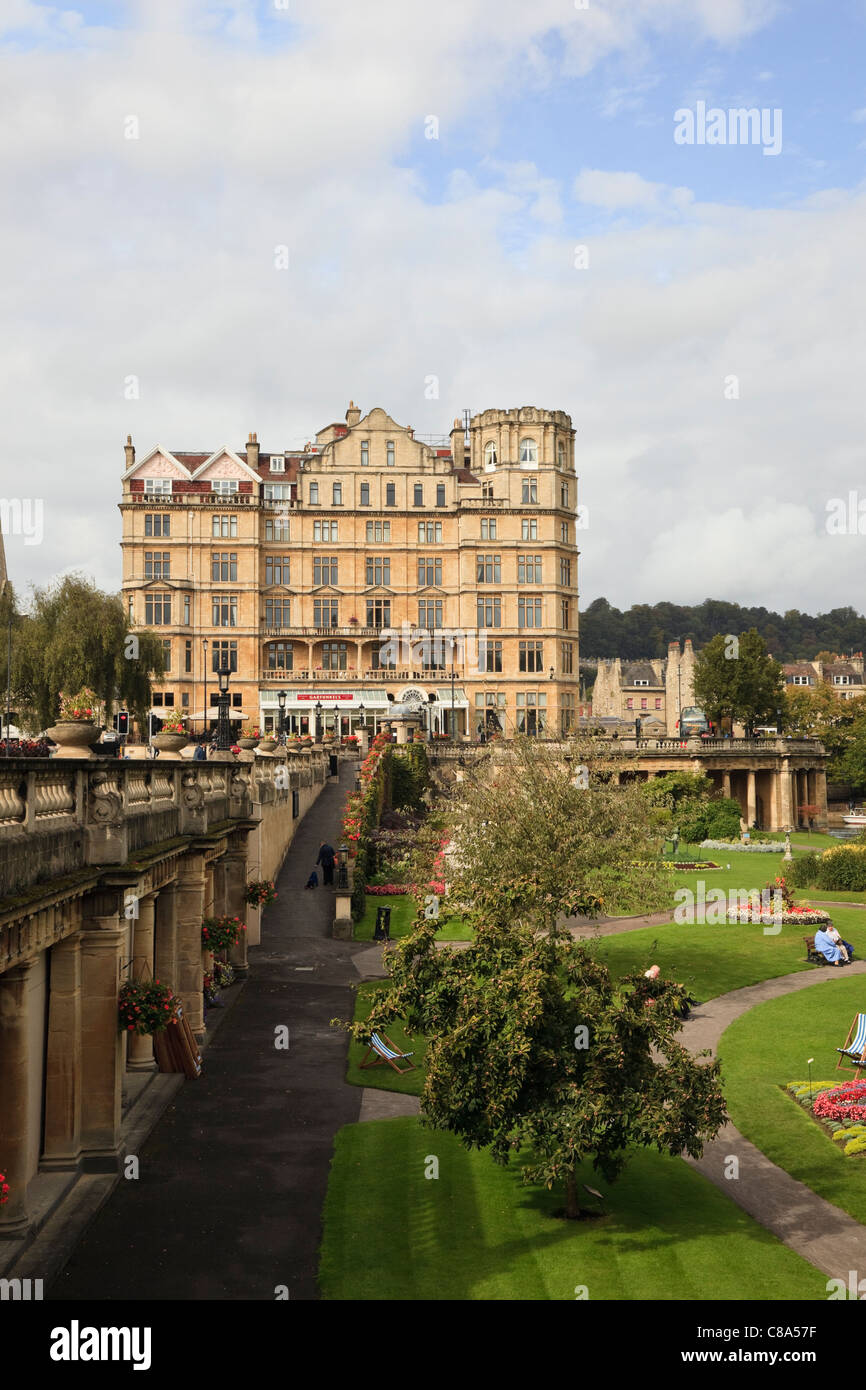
(652, 973)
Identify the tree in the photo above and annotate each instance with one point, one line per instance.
(811, 711)
(73, 636)
(531, 1043)
(735, 679)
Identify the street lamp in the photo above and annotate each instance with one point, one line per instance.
(360, 713)
(453, 729)
(281, 701)
(224, 733)
(318, 714)
(204, 643)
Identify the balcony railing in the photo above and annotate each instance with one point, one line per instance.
(295, 630)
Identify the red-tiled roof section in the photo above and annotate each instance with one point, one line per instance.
(463, 475)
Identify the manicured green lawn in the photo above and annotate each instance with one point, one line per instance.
(383, 1077)
(767, 1048)
(403, 909)
(477, 1233)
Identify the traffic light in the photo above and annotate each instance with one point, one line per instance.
(121, 721)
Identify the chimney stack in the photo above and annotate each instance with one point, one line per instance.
(353, 414)
(458, 445)
(129, 451)
(253, 451)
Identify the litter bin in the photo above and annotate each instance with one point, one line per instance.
(334, 764)
(383, 924)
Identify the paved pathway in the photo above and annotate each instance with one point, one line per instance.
(233, 1177)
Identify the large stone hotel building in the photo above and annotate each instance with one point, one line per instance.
(368, 568)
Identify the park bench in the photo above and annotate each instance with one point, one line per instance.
(813, 956)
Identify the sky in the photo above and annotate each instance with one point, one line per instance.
(495, 194)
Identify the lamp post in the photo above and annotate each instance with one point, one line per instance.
(281, 701)
(361, 711)
(224, 733)
(318, 714)
(204, 686)
(679, 698)
(453, 729)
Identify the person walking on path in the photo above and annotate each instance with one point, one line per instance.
(327, 855)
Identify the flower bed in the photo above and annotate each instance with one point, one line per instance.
(388, 890)
(840, 1108)
(774, 848)
(790, 916)
(690, 864)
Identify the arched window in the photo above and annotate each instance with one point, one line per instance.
(280, 656)
(490, 454)
(528, 451)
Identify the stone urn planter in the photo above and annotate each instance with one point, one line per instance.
(169, 745)
(267, 745)
(73, 738)
(246, 743)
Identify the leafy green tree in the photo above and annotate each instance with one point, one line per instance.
(74, 636)
(735, 679)
(533, 1047)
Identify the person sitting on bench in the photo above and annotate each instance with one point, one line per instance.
(827, 947)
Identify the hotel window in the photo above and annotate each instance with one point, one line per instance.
(186, 609)
(566, 613)
(324, 569)
(278, 463)
(529, 529)
(280, 656)
(224, 566)
(337, 495)
(487, 492)
(223, 654)
(378, 530)
(490, 708)
(801, 680)
(560, 453)
(314, 494)
(334, 656)
(187, 656)
(391, 454)
(440, 494)
(563, 494)
(156, 564)
(365, 453)
(490, 454)
(224, 486)
(326, 531)
(531, 656)
(531, 711)
(488, 610)
(488, 528)
(168, 699)
(365, 494)
(529, 612)
(225, 610)
(643, 703)
(157, 524)
(429, 570)
(563, 532)
(277, 569)
(658, 702)
(378, 569)
(276, 528)
(383, 658)
(131, 609)
(225, 526)
(842, 680)
(166, 653)
(565, 573)
(237, 701)
(529, 569)
(529, 490)
(160, 487)
(489, 655)
(156, 697)
(390, 495)
(629, 704)
(430, 532)
(157, 610)
(566, 712)
(488, 569)
(567, 658)
(277, 492)
(278, 612)
(324, 612)
(378, 612)
(528, 451)
(430, 612)
(418, 495)
(184, 699)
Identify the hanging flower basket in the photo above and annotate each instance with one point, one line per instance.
(4, 1189)
(260, 894)
(221, 933)
(145, 1006)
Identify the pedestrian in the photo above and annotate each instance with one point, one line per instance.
(327, 855)
(199, 755)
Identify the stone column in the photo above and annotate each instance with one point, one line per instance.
(726, 785)
(787, 813)
(751, 799)
(62, 1142)
(190, 897)
(235, 880)
(103, 945)
(165, 936)
(140, 1045)
(14, 1096)
(821, 798)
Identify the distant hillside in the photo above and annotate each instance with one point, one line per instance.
(646, 629)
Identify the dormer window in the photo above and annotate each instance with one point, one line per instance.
(391, 458)
(640, 682)
(842, 680)
(160, 486)
(278, 463)
(224, 486)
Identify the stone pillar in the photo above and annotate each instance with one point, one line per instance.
(821, 798)
(103, 944)
(140, 1045)
(62, 1141)
(165, 936)
(787, 813)
(190, 896)
(14, 1096)
(235, 881)
(726, 785)
(751, 799)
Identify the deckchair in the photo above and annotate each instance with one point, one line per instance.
(385, 1051)
(854, 1050)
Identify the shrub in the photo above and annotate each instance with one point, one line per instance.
(723, 819)
(803, 870)
(843, 867)
(855, 1146)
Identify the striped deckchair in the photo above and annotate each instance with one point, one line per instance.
(384, 1051)
(854, 1050)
